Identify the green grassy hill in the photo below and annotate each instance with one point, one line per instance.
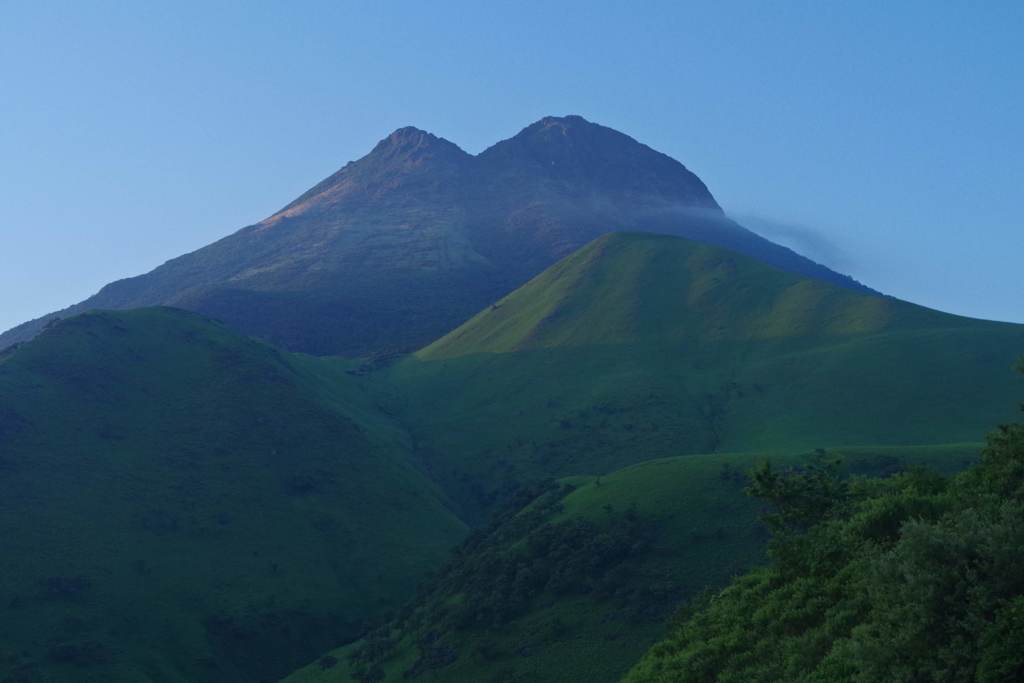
(912, 578)
(179, 503)
(578, 584)
(642, 346)
(636, 348)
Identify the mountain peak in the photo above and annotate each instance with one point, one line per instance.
(410, 131)
(408, 152)
(562, 122)
(551, 127)
(395, 248)
(412, 140)
(572, 149)
(408, 135)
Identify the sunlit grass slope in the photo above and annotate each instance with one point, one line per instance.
(641, 346)
(626, 288)
(576, 586)
(180, 503)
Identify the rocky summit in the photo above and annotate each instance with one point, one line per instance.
(399, 247)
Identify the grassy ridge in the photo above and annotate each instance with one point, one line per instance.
(179, 503)
(642, 346)
(692, 528)
(637, 287)
(634, 349)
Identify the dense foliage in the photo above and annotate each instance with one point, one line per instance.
(911, 578)
(575, 587)
(500, 572)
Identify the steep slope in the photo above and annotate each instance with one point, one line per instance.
(575, 586)
(399, 247)
(179, 503)
(642, 346)
(634, 288)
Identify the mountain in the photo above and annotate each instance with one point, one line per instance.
(399, 247)
(646, 374)
(180, 503)
(641, 346)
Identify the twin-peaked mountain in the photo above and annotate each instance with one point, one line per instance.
(182, 502)
(399, 247)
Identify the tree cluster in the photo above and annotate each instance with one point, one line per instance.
(911, 578)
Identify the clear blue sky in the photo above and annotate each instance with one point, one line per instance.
(885, 139)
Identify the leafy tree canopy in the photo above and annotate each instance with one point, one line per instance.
(907, 579)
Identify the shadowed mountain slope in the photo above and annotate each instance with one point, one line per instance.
(399, 247)
(180, 503)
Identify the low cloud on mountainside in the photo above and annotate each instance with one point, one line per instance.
(802, 239)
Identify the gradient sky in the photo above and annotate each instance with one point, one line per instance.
(883, 139)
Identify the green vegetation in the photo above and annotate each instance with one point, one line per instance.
(642, 346)
(179, 503)
(639, 347)
(912, 578)
(578, 582)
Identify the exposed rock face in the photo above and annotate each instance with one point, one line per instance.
(399, 247)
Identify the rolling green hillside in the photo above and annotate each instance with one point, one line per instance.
(635, 348)
(641, 346)
(576, 585)
(179, 503)
(914, 578)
